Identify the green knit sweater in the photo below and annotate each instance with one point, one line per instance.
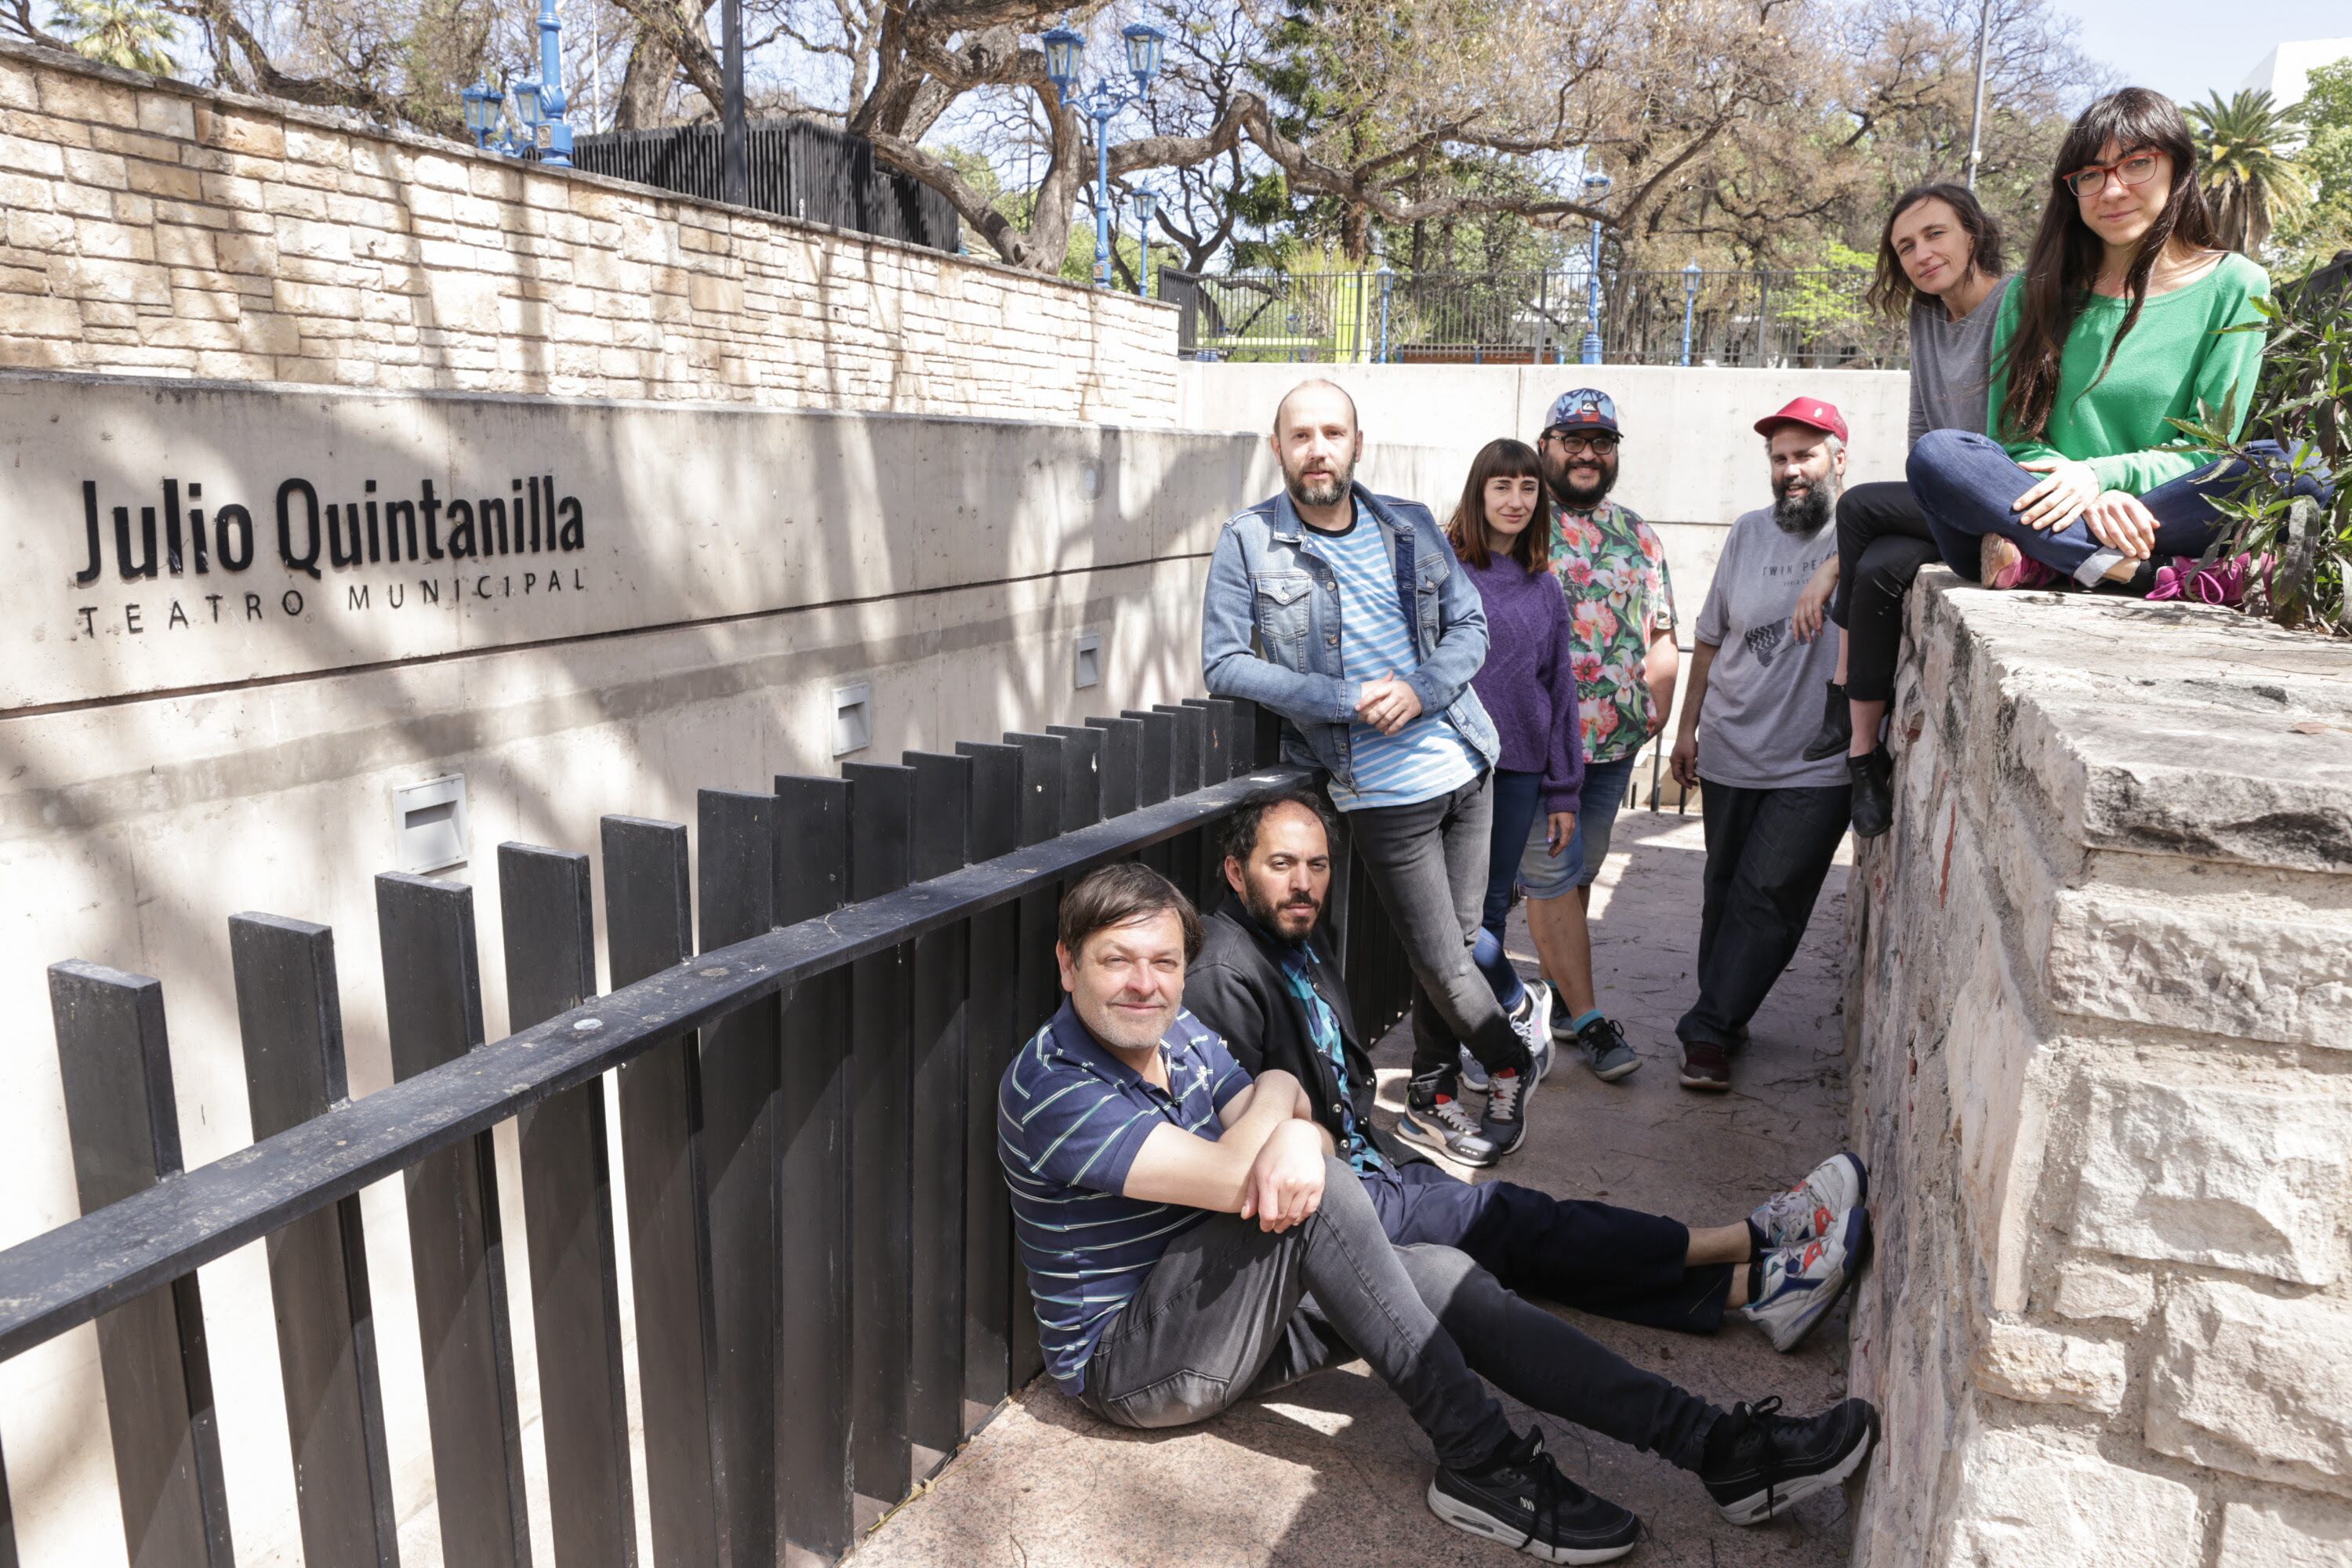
(2172, 359)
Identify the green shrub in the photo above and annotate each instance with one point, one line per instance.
(2304, 401)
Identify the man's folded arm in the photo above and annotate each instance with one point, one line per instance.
(1183, 1168)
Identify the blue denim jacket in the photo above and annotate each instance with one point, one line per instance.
(1270, 627)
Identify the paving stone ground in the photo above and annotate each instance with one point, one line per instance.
(1331, 1470)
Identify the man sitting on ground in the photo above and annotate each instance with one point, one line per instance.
(1175, 1218)
(1265, 983)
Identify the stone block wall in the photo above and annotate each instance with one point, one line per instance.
(155, 229)
(2100, 1014)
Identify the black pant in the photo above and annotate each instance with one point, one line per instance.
(1883, 541)
(1768, 851)
(1619, 1263)
(1428, 862)
(1226, 1314)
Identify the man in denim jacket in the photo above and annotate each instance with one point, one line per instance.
(1346, 613)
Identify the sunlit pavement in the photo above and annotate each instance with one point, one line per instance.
(1331, 1470)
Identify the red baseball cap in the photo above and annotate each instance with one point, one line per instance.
(1808, 411)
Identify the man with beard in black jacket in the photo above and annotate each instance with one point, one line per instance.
(1265, 982)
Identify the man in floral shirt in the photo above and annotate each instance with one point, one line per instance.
(1613, 570)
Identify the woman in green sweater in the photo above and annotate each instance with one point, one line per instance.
(2117, 326)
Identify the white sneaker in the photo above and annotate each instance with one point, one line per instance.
(1532, 1024)
(1811, 1209)
(1797, 1286)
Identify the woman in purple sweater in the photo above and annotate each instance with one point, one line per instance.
(1529, 686)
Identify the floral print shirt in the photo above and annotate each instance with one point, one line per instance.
(1621, 600)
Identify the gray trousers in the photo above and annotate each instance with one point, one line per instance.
(1231, 1312)
(1428, 862)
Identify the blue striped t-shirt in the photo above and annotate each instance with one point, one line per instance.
(1426, 758)
(1070, 1117)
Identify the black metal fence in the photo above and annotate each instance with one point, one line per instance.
(827, 1295)
(797, 169)
(1813, 319)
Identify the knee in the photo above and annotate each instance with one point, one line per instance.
(1934, 455)
(1447, 1279)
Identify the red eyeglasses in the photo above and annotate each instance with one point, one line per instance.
(2133, 169)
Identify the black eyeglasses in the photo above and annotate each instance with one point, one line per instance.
(1597, 443)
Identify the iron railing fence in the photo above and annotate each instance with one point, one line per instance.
(827, 1294)
(796, 169)
(1809, 319)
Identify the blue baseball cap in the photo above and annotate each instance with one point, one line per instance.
(1585, 408)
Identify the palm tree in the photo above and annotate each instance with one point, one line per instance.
(133, 34)
(2252, 177)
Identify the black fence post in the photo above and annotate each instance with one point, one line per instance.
(881, 860)
(992, 1033)
(1082, 779)
(812, 1388)
(1121, 764)
(567, 1196)
(289, 1017)
(938, 984)
(742, 1074)
(433, 1010)
(649, 926)
(116, 1063)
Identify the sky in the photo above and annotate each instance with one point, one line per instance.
(2175, 47)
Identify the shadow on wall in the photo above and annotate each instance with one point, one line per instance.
(746, 561)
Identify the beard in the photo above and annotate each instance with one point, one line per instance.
(1807, 512)
(1576, 498)
(1319, 489)
(1290, 922)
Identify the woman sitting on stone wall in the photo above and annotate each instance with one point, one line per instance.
(1939, 264)
(2119, 325)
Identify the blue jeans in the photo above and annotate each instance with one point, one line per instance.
(1966, 484)
(1519, 799)
(1549, 876)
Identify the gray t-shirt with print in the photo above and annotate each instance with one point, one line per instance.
(1765, 689)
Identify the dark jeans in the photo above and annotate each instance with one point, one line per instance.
(1428, 862)
(1597, 1257)
(1231, 1312)
(1768, 851)
(1519, 797)
(1966, 485)
(1883, 541)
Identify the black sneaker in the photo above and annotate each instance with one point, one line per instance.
(1759, 1462)
(1523, 1501)
(1836, 732)
(1505, 1125)
(1874, 793)
(1436, 1118)
(1605, 1051)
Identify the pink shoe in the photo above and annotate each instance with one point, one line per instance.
(2001, 565)
(2223, 582)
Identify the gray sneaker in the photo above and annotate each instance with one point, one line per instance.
(1605, 1051)
(1531, 1021)
(1436, 1117)
(1505, 1125)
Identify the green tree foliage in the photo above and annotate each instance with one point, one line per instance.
(2248, 174)
(133, 34)
(2323, 225)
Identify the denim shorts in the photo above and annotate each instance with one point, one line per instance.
(1546, 876)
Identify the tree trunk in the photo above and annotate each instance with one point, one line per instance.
(644, 99)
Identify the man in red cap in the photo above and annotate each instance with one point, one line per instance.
(1773, 819)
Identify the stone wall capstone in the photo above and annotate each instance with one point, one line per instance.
(2099, 1001)
(152, 228)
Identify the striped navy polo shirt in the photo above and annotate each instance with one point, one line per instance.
(1069, 1118)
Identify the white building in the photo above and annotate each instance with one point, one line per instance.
(2285, 71)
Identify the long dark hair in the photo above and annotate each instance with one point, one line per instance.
(1891, 289)
(2065, 261)
(1502, 460)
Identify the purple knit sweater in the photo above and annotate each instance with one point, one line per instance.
(1528, 682)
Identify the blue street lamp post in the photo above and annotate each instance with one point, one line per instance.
(1690, 300)
(1065, 53)
(1596, 187)
(1146, 203)
(539, 103)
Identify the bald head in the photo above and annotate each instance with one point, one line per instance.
(1316, 439)
(1318, 401)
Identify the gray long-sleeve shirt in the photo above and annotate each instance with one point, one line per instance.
(1950, 364)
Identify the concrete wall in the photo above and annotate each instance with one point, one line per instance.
(2100, 998)
(1691, 453)
(736, 566)
(155, 229)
